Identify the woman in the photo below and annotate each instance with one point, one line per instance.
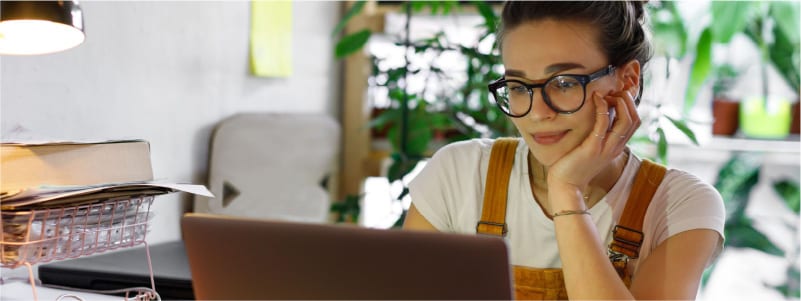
(572, 78)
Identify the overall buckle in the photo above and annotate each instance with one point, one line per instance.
(504, 229)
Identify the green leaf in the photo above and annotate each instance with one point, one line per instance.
(707, 273)
(700, 70)
(386, 117)
(784, 55)
(728, 18)
(395, 171)
(353, 11)
(447, 6)
(352, 43)
(347, 210)
(397, 93)
(669, 32)
(791, 288)
(400, 167)
(786, 14)
(789, 191)
(418, 5)
(682, 126)
(401, 219)
(440, 120)
(420, 135)
(434, 6)
(490, 19)
(735, 180)
(746, 236)
(661, 146)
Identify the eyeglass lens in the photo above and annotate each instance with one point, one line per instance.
(565, 94)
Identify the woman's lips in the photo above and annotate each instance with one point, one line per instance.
(546, 138)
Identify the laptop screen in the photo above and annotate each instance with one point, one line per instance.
(239, 258)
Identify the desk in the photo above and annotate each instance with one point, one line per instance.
(17, 287)
(19, 290)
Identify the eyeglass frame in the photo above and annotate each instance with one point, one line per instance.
(583, 79)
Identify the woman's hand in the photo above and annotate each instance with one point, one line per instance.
(576, 169)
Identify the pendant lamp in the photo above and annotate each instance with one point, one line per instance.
(39, 27)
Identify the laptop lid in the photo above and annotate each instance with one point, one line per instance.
(126, 269)
(240, 258)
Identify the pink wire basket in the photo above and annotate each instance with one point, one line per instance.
(44, 235)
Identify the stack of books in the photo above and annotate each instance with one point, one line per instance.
(73, 197)
(44, 175)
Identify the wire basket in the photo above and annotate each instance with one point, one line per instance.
(37, 236)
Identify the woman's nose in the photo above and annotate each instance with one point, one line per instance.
(539, 109)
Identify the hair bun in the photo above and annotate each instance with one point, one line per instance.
(639, 9)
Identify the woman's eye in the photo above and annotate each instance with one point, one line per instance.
(518, 89)
(564, 84)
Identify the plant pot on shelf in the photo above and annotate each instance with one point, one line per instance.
(760, 119)
(795, 127)
(726, 115)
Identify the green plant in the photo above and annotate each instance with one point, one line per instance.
(669, 41)
(790, 192)
(724, 76)
(414, 119)
(755, 19)
(347, 210)
(736, 179)
(773, 26)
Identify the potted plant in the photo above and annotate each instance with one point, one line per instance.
(768, 115)
(725, 108)
(773, 27)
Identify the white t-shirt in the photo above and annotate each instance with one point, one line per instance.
(449, 193)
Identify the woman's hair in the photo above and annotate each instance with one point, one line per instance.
(621, 23)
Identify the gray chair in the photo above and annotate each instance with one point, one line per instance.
(271, 166)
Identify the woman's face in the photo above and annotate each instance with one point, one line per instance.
(536, 51)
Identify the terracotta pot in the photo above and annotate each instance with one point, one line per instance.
(794, 125)
(726, 115)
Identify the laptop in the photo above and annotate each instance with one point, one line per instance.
(126, 269)
(241, 258)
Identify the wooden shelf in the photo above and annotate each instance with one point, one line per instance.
(718, 149)
(789, 145)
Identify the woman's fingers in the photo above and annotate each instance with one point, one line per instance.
(623, 126)
(602, 119)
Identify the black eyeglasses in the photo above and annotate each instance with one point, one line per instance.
(564, 93)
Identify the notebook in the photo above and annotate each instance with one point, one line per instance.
(240, 258)
(126, 269)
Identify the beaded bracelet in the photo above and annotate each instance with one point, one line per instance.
(571, 212)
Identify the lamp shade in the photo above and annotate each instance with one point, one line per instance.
(39, 27)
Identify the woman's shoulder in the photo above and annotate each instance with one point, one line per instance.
(686, 194)
(677, 180)
(466, 149)
(681, 189)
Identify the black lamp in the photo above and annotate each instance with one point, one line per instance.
(39, 27)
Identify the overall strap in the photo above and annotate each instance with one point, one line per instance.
(493, 214)
(627, 236)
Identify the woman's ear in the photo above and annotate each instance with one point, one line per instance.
(629, 72)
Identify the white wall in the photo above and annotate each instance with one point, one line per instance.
(166, 72)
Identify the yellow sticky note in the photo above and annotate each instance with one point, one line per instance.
(271, 38)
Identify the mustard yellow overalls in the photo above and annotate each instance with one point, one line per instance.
(548, 283)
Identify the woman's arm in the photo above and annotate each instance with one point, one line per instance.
(672, 271)
(674, 268)
(415, 221)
